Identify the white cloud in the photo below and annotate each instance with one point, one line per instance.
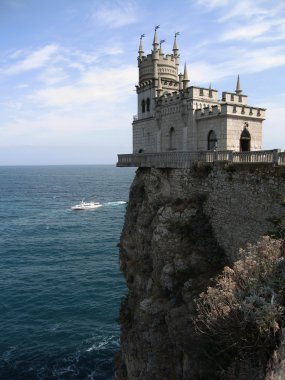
(52, 75)
(246, 32)
(242, 61)
(116, 14)
(246, 9)
(97, 85)
(22, 85)
(35, 60)
(12, 105)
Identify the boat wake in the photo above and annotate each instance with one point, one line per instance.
(114, 203)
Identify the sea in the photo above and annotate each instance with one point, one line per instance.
(60, 283)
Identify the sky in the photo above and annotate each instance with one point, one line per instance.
(68, 69)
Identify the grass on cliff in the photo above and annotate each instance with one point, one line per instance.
(240, 318)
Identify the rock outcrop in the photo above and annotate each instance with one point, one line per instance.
(181, 227)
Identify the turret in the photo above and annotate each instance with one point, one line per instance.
(185, 78)
(141, 52)
(238, 89)
(176, 50)
(155, 56)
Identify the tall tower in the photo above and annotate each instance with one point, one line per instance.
(158, 74)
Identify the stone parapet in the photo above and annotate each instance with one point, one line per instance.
(186, 160)
(231, 109)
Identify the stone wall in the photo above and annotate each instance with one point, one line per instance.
(181, 227)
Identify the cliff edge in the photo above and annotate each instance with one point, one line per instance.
(182, 227)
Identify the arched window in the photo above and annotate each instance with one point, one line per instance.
(245, 140)
(212, 141)
(143, 106)
(148, 104)
(172, 139)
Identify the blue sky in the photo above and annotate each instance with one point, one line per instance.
(68, 69)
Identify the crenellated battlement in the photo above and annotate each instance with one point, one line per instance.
(231, 109)
(230, 97)
(202, 93)
(165, 66)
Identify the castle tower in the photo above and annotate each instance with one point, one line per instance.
(152, 67)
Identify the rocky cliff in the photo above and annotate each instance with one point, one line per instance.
(182, 227)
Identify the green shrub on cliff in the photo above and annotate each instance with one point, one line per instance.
(240, 317)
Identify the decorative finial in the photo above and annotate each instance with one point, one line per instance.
(155, 40)
(141, 51)
(175, 47)
(238, 89)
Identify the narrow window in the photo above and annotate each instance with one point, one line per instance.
(148, 104)
(172, 138)
(143, 106)
(212, 141)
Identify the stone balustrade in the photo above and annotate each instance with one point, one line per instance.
(185, 160)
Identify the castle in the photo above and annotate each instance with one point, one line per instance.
(175, 117)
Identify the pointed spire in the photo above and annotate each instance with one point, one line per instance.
(185, 78)
(175, 47)
(238, 89)
(210, 87)
(160, 46)
(155, 39)
(141, 51)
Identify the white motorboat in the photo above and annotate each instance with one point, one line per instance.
(86, 206)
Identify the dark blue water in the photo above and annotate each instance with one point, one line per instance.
(60, 284)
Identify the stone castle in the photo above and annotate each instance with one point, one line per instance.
(177, 124)
(175, 116)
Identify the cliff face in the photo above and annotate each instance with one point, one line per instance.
(181, 228)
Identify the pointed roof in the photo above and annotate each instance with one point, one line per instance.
(175, 46)
(185, 76)
(155, 38)
(160, 46)
(238, 89)
(141, 45)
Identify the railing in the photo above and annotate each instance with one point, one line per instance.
(186, 159)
